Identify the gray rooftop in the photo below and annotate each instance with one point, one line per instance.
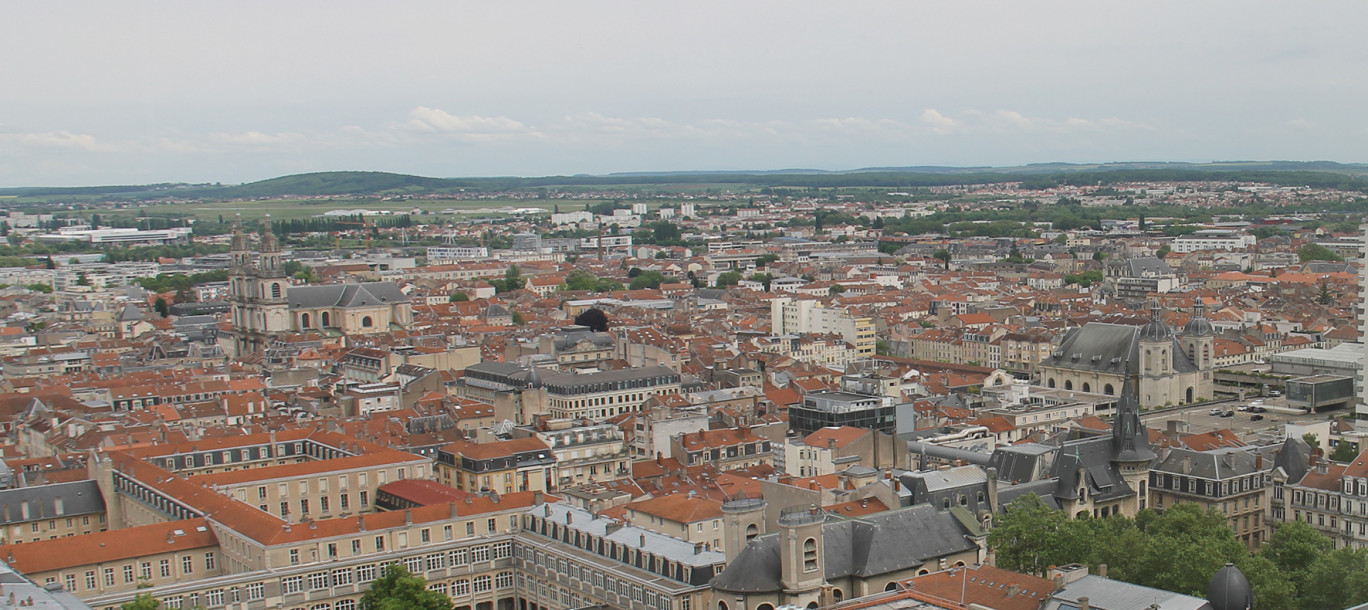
(659, 544)
(368, 294)
(1107, 594)
(24, 504)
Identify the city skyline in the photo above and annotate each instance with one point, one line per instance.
(139, 93)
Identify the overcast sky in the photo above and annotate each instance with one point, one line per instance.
(114, 92)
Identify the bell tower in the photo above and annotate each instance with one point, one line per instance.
(1131, 451)
(803, 565)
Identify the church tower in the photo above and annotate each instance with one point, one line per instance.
(1199, 338)
(1156, 349)
(742, 520)
(1131, 450)
(257, 291)
(803, 564)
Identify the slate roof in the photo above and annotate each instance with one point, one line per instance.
(1215, 465)
(1105, 348)
(1107, 594)
(78, 498)
(865, 547)
(368, 294)
(1147, 266)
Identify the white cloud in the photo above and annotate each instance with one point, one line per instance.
(468, 127)
(257, 138)
(939, 123)
(59, 139)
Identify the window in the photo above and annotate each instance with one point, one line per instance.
(458, 557)
(379, 543)
(504, 580)
(366, 322)
(346, 604)
(90, 579)
(292, 584)
(365, 573)
(483, 584)
(209, 561)
(323, 504)
(342, 577)
(165, 566)
(479, 553)
(318, 580)
(809, 555)
(344, 501)
(425, 535)
(215, 597)
(128, 573)
(356, 547)
(109, 577)
(470, 528)
(145, 570)
(70, 582)
(493, 527)
(187, 565)
(460, 588)
(365, 499)
(294, 557)
(256, 591)
(503, 550)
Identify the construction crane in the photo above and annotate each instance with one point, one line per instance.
(366, 228)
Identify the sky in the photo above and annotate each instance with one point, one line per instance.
(122, 92)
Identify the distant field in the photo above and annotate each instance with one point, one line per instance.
(288, 210)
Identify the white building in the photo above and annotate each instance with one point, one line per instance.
(1213, 239)
(570, 218)
(439, 255)
(790, 316)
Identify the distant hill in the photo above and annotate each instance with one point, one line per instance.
(331, 183)
(1326, 174)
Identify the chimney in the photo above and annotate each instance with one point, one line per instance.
(643, 539)
(831, 444)
(360, 523)
(992, 489)
(1258, 461)
(1083, 604)
(1102, 570)
(1012, 590)
(452, 507)
(538, 498)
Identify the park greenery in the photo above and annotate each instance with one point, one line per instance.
(398, 589)
(1179, 550)
(1317, 252)
(171, 282)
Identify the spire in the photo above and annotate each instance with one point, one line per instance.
(1130, 440)
(239, 238)
(269, 242)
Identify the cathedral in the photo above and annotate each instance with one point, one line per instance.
(266, 307)
(1174, 368)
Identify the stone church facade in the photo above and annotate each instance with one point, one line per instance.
(1173, 368)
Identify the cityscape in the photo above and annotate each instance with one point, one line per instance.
(705, 306)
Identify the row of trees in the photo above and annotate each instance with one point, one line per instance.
(1180, 550)
(396, 589)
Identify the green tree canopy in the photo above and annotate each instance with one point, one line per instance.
(730, 278)
(1345, 451)
(142, 601)
(397, 589)
(1317, 252)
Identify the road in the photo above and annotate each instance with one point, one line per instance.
(1200, 420)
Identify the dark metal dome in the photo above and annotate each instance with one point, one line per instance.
(1199, 326)
(1155, 329)
(1230, 590)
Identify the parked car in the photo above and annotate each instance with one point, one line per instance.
(1242, 408)
(1216, 412)
(1256, 417)
(1228, 414)
(1257, 409)
(1275, 392)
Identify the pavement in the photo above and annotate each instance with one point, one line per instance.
(1200, 420)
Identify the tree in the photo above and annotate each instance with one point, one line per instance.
(594, 319)
(1317, 252)
(730, 278)
(1336, 579)
(1325, 297)
(580, 279)
(1099, 255)
(647, 280)
(1163, 251)
(43, 288)
(82, 280)
(185, 295)
(835, 290)
(458, 297)
(944, 256)
(765, 259)
(1026, 537)
(518, 319)
(883, 348)
(1344, 452)
(162, 308)
(1312, 440)
(1293, 548)
(142, 601)
(763, 278)
(397, 589)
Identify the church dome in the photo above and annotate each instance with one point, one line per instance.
(1199, 327)
(1230, 590)
(1155, 329)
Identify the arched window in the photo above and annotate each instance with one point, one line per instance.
(1051, 383)
(1109, 390)
(303, 320)
(752, 532)
(1068, 385)
(836, 596)
(1087, 387)
(765, 607)
(1206, 356)
(275, 290)
(721, 605)
(366, 322)
(1149, 360)
(809, 555)
(326, 322)
(1163, 360)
